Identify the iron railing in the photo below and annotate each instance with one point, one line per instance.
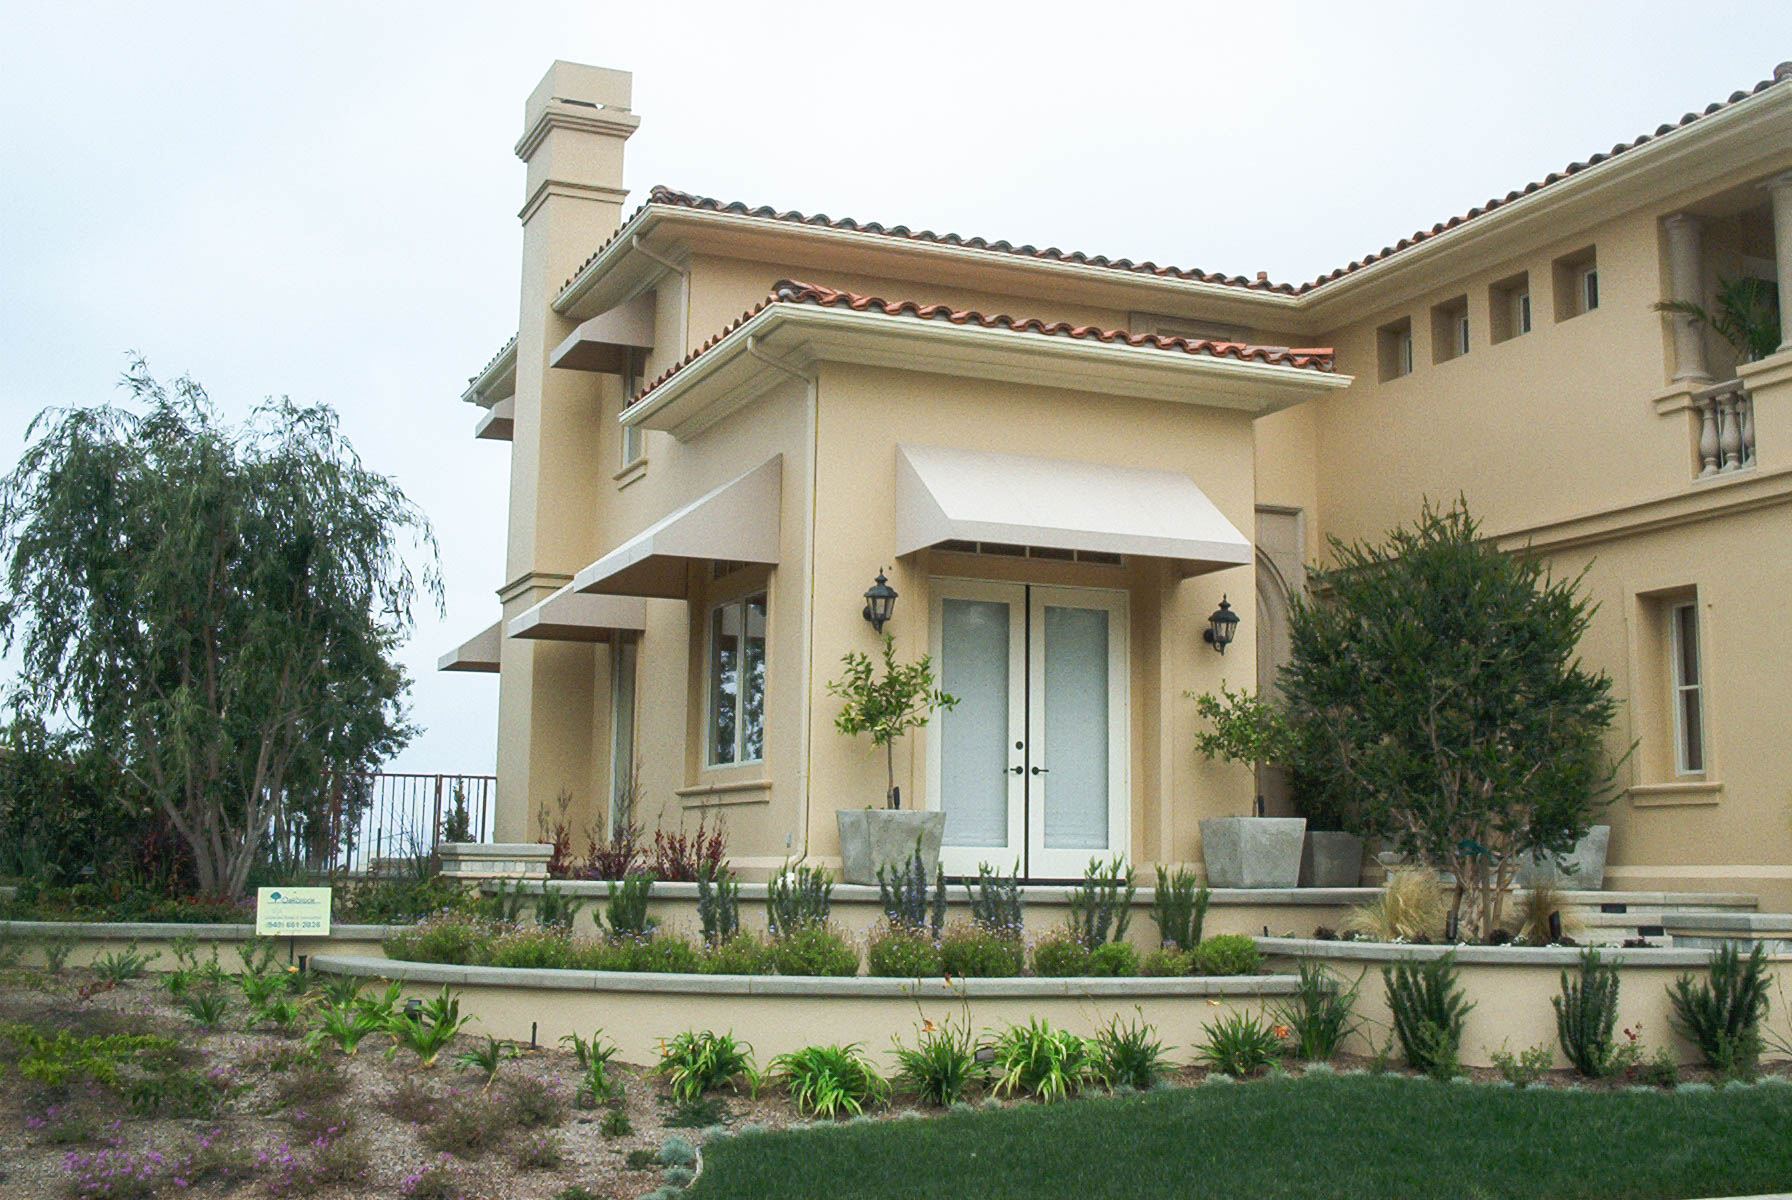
(403, 815)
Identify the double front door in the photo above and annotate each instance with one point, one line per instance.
(1030, 767)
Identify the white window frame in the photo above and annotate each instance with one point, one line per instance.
(1404, 349)
(1521, 315)
(710, 691)
(1587, 283)
(1679, 615)
(634, 438)
(1462, 334)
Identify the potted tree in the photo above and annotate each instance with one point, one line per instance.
(1255, 851)
(884, 707)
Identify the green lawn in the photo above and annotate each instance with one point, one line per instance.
(1376, 1138)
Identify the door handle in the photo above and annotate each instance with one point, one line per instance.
(1040, 770)
(1015, 771)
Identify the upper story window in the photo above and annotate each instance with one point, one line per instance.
(1449, 330)
(634, 445)
(1688, 689)
(737, 681)
(1509, 307)
(1393, 347)
(1577, 283)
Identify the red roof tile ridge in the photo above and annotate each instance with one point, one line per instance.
(791, 291)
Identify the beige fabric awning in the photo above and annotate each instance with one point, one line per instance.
(478, 653)
(737, 522)
(979, 496)
(567, 616)
(605, 341)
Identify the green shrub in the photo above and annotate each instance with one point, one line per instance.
(548, 947)
(555, 909)
(976, 951)
(1167, 963)
(1240, 1044)
(1037, 1060)
(697, 1062)
(1114, 959)
(798, 898)
(663, 954)
(902, 951)
(467, 1126)
(1587, 1015)
(829, 1081)
(1101, 906)
(1129, 1055)
(1179, 906)
(1722, 1013)
(741, 954)
(532, 1103)
(594, 1055)
(616, 1123)
(1060, 954)
(996, 901)
(1227, 954)
(122, 966)
(540, 1152)
(814, 950)
(486, 1059)
(447, 938)
(625, 913)
(718, 905)
(1320, 1015)
(207, 1007)
(905, 896)
(396, 898)
(1429, 1008)
(1524, 1068)
(942, 1066)
(428, 1031)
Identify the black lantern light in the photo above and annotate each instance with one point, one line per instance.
(880, 602)
(1222, 626)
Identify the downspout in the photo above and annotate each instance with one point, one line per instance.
(684, 276)
(805, 753)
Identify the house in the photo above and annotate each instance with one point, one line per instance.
(725, 423)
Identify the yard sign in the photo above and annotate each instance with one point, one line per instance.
(292, 912)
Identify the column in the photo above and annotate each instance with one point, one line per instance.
(1780, 188)
(1686, 284)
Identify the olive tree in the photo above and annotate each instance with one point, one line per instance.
(1436, 690)
(887, 706)
(216, 608)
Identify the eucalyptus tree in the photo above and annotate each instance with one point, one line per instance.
(216, 607)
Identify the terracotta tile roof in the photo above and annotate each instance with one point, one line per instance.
(493, 361)
(662, 196)
(1780, 74)
(790, 291)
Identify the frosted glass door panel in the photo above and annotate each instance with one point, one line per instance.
(975, 640)
(1076, 743)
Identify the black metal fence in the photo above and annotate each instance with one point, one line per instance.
(399, 815)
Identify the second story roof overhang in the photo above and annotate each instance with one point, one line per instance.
(799, 325)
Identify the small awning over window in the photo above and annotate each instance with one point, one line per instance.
(479, 653)
(567, 616)
(737, 522)
(947, 495)
(605, 341)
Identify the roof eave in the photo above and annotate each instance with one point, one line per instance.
(735, 372)
(495, 381)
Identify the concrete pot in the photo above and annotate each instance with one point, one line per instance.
(1582, 869)
(1253, 852)
(1331, 859)
(882, 837)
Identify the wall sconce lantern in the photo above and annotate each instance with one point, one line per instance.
(880, 602)
(1222, 626)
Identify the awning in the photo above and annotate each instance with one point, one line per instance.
(605, 342)
(479, 653)
(567, 616)
(737, 522)
(977, 496)
(497, 422)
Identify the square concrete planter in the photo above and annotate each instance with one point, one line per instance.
(1253, 852)
(884, 837)
(494, 860)
(1330, 859)
(1582, 869)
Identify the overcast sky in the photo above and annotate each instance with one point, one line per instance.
(320, 199)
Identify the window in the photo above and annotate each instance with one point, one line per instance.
(1449, 330)
(1688, 690)
(1577, 283)
(1393, 345)
(737, 681)
(1509, 307)
(633, 436)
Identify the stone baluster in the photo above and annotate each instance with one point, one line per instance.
(1729, 433)
(1708, 435)
(1745, 406)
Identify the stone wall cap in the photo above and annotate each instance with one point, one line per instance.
(539, 850)
(1498, 956)
(169, 930)
(859, 986)
(1727, 922)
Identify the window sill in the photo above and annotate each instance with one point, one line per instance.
(1674, 795)
(631, 472)
(739, 791)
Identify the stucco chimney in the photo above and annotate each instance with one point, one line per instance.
(575, 124)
